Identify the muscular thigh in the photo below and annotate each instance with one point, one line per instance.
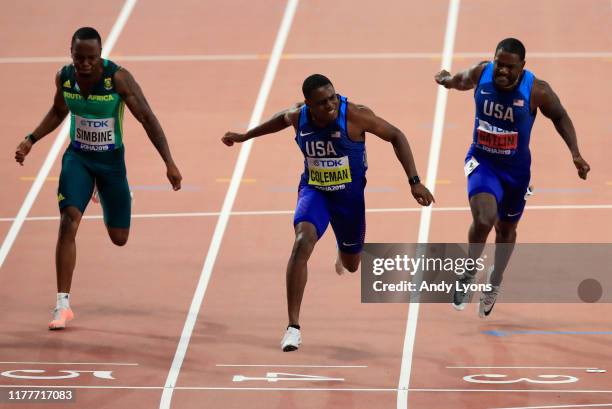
(76, 182)
(484, 179)
(312, 207)
(347, 216)
(511, 208)
(114, 190)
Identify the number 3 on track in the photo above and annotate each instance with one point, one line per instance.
(501, 379)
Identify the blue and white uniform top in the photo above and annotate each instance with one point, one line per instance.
(503, 121)
(332, 161)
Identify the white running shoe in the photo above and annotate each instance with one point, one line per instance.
(461, 297)
(488, 298)
(291, 340)
(60, 317)
(487, 302)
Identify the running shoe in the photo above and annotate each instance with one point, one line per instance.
(460, 296)
(60, 317)
(291, 340)
(488, 298)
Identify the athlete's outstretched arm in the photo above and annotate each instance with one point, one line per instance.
(365, 118)
(548, 102)
(52, 120)
(131, 93)
(278, 122)
(463, 80)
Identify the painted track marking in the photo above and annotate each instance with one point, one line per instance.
(292, 366)
(71, 363)
(588, 405)
(290, 212)
(520, 367)
(300, 389)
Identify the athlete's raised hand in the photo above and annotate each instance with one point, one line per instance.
(22, 150)
(231, 137)
(582, 166)
(174, 176)
(422, 195)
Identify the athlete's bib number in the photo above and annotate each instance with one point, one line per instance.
(94, 134)
(496, 140)
(328, 171)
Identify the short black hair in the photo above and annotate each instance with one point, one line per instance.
(313, 82)
(86, 33)
(513, 46)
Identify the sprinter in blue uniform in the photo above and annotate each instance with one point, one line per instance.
(498, 162)
(330, 132)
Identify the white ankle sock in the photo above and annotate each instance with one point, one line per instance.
(63, 300)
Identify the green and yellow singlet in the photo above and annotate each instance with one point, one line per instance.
(96, 123)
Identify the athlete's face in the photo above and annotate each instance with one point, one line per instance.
(86, 56)
(323, 104)
(507, 70)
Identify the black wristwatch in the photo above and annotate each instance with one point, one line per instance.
(414, 180)
(31, 138)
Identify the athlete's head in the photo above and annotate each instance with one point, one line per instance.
(86, 50)
(509, 63)
(320, 97)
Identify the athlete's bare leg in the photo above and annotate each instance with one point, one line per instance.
(484, 216)
(505, 238)
(297, 271)
(65, 251)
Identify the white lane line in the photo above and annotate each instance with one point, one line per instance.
(71, 363)
(432, 172)
(213, 250)
(519, 367)
(58, 144)
(594, 405)
(429, 56)
(194, 58)
(227, 388)
(308, 56)
(293, 366)
(290, 212)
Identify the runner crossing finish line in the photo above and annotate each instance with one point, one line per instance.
(330, 132)
(498, 162)
(94, 91)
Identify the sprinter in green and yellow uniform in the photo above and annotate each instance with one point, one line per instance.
(94, 91)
